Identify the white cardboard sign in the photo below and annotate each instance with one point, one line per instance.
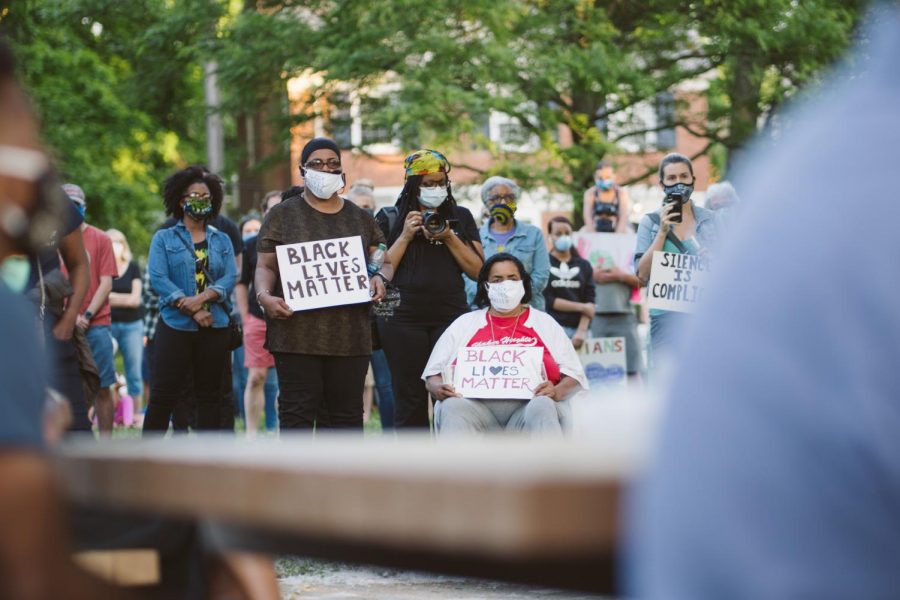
(677, 281)
(604, 361)
(512, 372)
(323, 273)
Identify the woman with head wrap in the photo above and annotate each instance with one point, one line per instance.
(431, 243)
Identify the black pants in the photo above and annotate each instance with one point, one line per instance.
(325, 391)
(65, 376)
(183, 357)
(184, 416)
(407, 347)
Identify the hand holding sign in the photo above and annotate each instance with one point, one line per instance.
(323, 273)
(509, 372)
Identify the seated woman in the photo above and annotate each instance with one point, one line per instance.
(504, 289)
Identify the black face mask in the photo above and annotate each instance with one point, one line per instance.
(604, 226)
(679, 188)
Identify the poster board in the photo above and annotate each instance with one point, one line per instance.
(608, 250)
(323, 273)
(512, 372)
(604, 361)
(677, 281)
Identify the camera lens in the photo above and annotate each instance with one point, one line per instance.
(434, 223)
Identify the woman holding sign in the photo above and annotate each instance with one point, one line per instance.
(679, 227)
(192, 268)
(431, 242)
(513, 367)
(312, 283)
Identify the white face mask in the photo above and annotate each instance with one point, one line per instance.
(432, 197)
(321, 184)
(505, 295)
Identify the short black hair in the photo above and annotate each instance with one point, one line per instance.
(176, 185)
(481, 296)
(603, 164)
(672, 158)
(7, 61)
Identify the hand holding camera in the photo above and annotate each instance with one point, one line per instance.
(412, 225)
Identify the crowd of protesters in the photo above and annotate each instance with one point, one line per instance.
(206, 334)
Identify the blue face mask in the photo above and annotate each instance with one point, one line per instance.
(606, 184)
(14, 272)
(81, 208)
(563, 243)
(249, 237)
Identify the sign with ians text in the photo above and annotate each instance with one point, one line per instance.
(604, 361)
(511, 372)
(677, 281)
(323, 273)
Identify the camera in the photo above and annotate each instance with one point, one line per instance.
(678, 201)
(435, 223)
(603, 214)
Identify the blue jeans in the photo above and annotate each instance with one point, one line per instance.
(130, 337)
(383, 387)
(239, 384)
(100, 340)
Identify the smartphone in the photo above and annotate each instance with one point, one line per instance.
(678, 201)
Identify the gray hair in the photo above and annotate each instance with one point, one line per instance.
(488, 186)
(723, 190)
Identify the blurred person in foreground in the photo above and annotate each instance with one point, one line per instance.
(777, 472)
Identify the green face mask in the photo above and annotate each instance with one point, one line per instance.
(14, 272)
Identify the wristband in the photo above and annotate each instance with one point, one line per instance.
(260, 293)
(383, 278)
(88, 315)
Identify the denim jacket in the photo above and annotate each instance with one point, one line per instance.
(707, 230)
(528, 245)
(172, 269)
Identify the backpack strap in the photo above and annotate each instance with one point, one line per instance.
(654, 218)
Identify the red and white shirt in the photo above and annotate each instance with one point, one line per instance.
(532, 328)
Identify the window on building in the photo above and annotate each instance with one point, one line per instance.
(665, 116)
(340, 120)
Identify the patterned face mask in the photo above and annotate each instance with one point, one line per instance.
(198, 207)
(503, 213)
(425, 162)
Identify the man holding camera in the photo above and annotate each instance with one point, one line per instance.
(678, 226)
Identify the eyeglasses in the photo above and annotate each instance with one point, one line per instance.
(317, 164)
(197, 196)
(433, 184)
(501, 198)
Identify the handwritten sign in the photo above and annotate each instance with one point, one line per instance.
(604, 361)
(676, 281)
(323, 273)
(510, 372)
(608, 250)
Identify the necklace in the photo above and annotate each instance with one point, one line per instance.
(515, 325)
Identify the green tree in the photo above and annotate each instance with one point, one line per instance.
(569, 63)
(118, 87)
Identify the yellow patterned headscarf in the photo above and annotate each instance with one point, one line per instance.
(425, 162)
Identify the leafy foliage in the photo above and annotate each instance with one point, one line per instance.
(118, 86)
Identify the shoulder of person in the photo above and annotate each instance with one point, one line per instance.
(463, 213)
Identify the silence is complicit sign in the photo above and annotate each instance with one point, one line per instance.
(323, 273)
(511, 372)
(677, 281)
